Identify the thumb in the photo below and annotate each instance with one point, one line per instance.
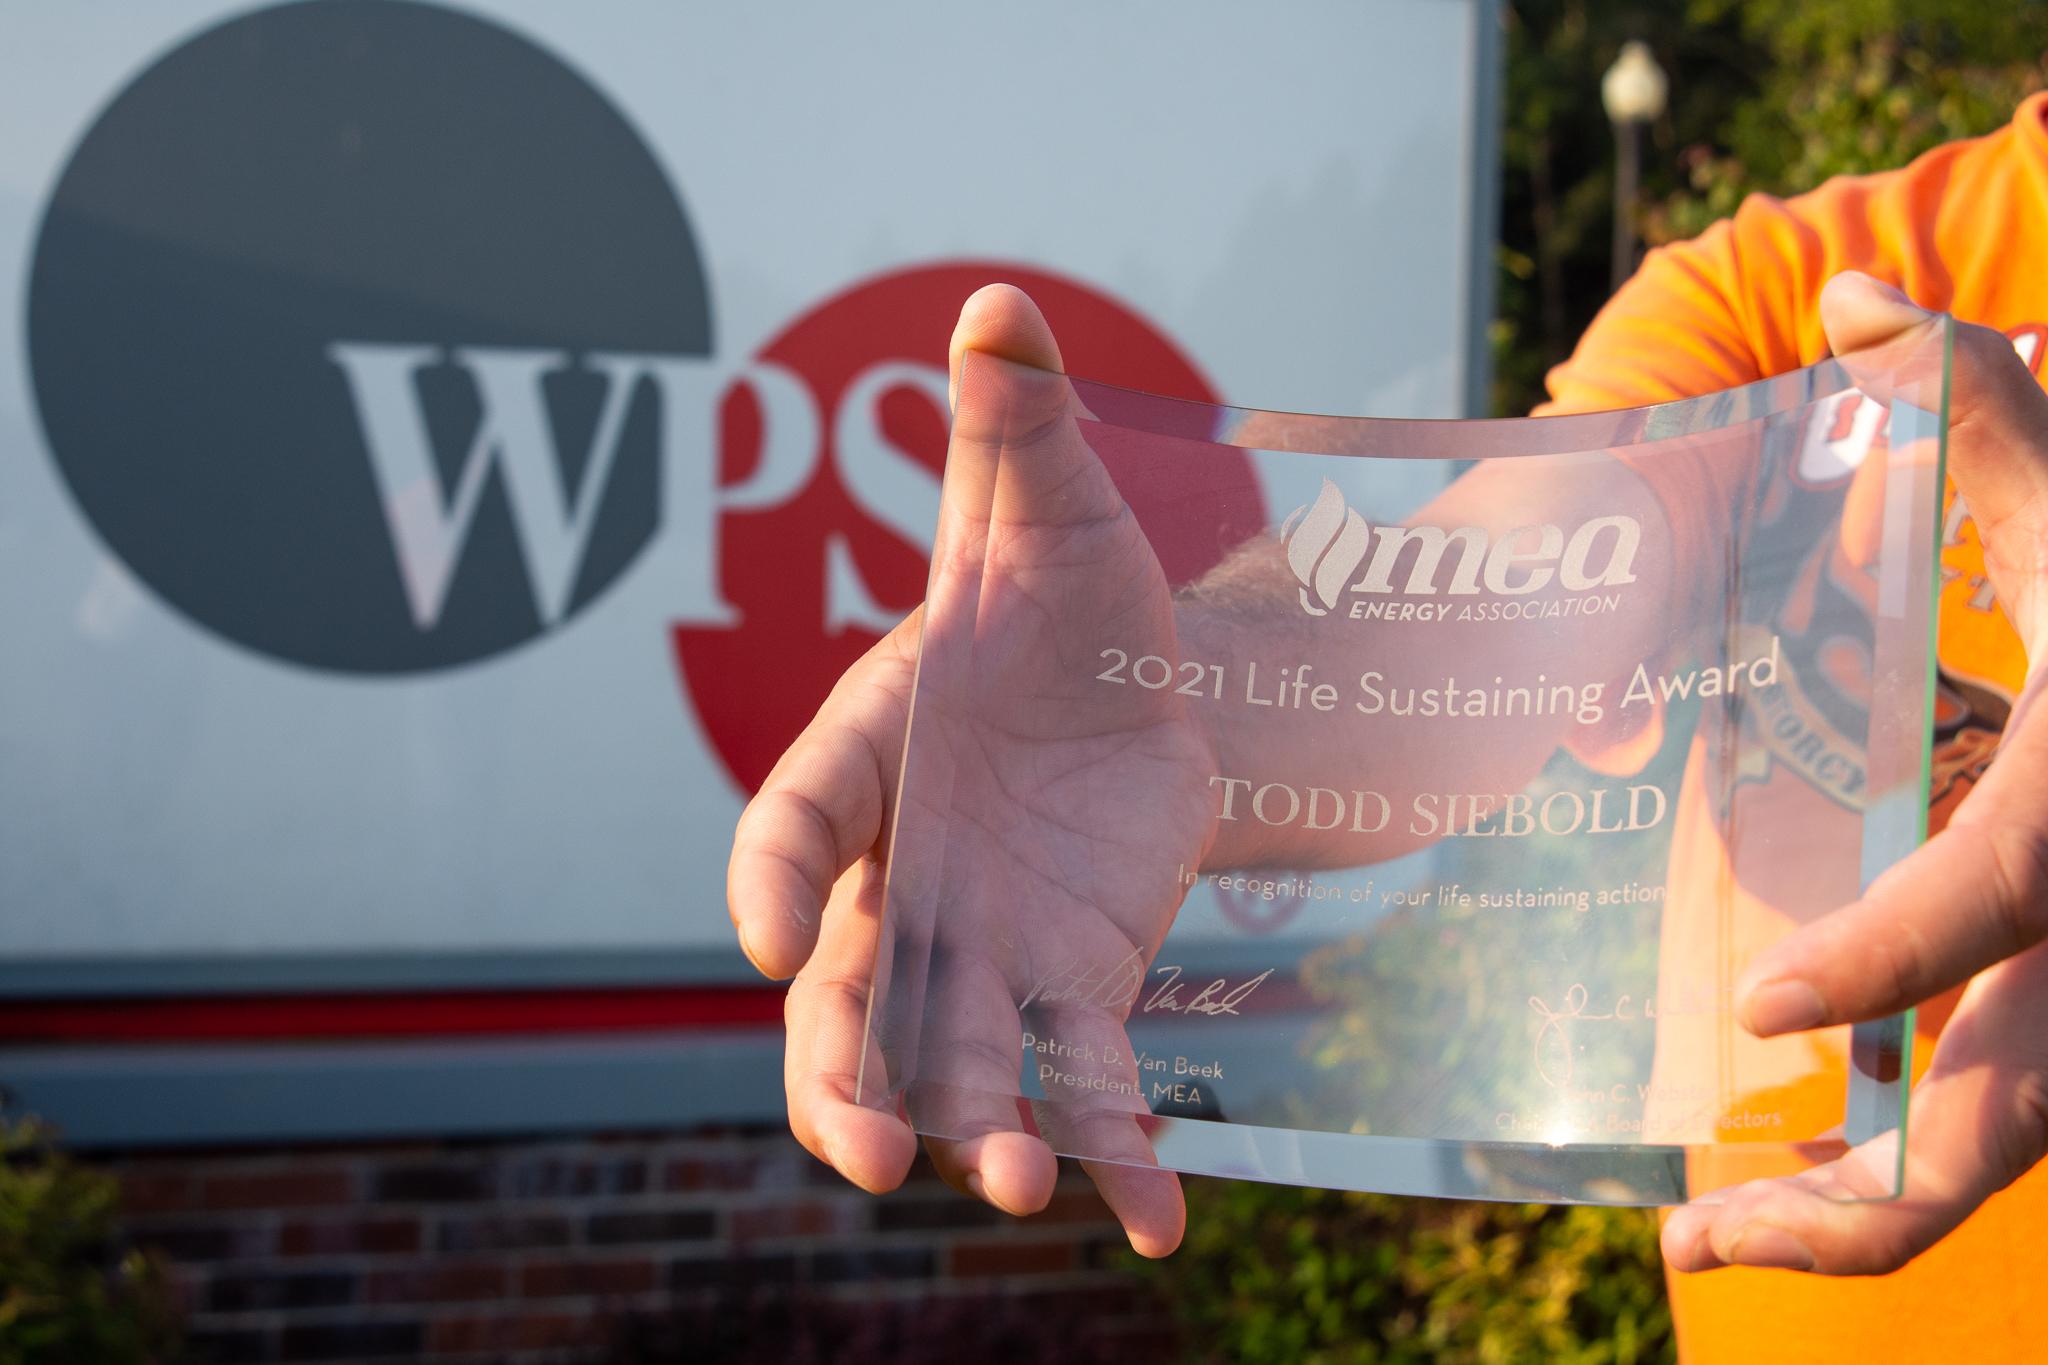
(1017, 456)
(1860, 313)
(1997, 435)
(1001, 320)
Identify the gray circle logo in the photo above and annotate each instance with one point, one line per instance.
(349, 323)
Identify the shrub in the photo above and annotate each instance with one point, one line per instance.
(1277, 1274)
(742, 1327)
(66, 1295)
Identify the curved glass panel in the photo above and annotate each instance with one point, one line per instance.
(1249, 830)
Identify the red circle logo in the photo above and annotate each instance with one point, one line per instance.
(831, 445)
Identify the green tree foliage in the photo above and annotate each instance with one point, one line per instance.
(65, 1297)
(1557, 160)
(1274, 1275)
(1855, 86)
(1766, 95)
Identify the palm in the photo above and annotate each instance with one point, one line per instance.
(1048, 819)
(1046, 816)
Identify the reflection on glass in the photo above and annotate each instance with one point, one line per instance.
(1418, 853)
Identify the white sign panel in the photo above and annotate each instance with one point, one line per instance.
(445, 453)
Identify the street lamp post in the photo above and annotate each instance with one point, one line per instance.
(1633, 91)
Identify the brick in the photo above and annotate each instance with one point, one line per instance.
(953, 1211)
(892, 1263)
(438, 1284)
(351, 1340)
(502, 1234)
(672, 1225)
(564, 1279)
(257, 1293)
(433, 1185)
(292, 1187)
(974, 1259)
(709, 1173)
(818, 1175)
(557, 1178)
(342, 1236)
(514, 1332)
(227, 1348)
(156, 1191)
(731, 1272)
(1073, 1206)
(792, 1220)
(922, 1172)
(191, 1242)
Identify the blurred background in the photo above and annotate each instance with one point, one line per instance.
(446, 454)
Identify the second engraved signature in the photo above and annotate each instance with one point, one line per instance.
(1689, 999)
(1209, 1001)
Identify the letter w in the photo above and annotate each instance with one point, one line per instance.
(1676, 686)
(430, 523)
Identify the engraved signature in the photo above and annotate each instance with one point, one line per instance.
(1208, 1002)
(1574, 1008)
(1690, 1000)
(1075, 982)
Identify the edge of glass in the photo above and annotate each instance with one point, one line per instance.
(1432, 438)
(1648, 1174)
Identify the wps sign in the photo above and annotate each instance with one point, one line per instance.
(454, 453)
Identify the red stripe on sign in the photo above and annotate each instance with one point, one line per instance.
(441, 1013)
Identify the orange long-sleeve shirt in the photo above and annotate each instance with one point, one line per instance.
(1963, 230)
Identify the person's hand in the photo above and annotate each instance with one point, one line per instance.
(1078, 829)
(1973, 902)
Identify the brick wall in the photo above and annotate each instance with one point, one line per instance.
(533, 1251)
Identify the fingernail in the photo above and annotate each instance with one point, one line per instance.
(1784, 1007)
(748, 949)
(975, 1186)
(1702, 1256)
(1770, 1248)
(1901, 296)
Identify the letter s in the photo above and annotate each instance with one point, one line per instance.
(883, 480)
(1429, 815)
(1377, 700)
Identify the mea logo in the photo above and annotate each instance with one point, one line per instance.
(1327, 542)
(357, 330)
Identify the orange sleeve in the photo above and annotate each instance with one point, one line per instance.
(1671, 332)
(1741, 301)
(1738, 303)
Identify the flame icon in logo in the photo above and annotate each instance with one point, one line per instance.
(1325, 548)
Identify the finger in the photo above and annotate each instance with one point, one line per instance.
(1979, 1121)
(1016, 1172)
(1100, 1115)
(1973, 895)
(1147, 1201)
(1008, 1168)
(824, 805)
(825, 1018)
(965, 1091)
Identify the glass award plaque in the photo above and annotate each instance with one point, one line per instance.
(1391, 805)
